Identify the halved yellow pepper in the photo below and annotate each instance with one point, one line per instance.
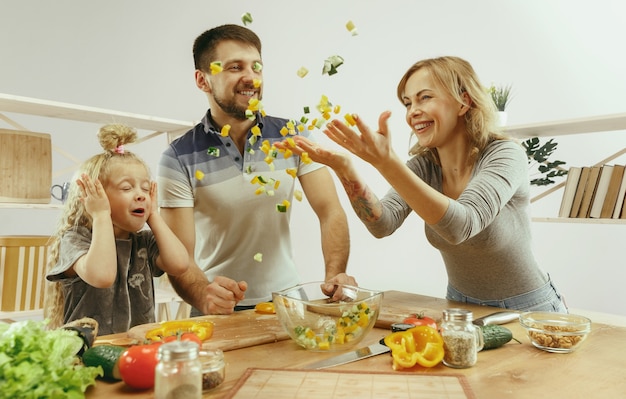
(419, 345)
(203, 329)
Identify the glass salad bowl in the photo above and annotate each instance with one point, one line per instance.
(317, 323)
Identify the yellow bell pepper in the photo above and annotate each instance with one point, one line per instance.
(203, 329)
(419, 345)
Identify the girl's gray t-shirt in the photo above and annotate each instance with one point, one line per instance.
(129, 301)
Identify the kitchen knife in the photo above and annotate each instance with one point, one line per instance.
(502, 317)
(358, 354)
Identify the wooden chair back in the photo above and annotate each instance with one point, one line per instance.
(22, 274)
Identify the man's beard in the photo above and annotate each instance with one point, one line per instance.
(231, 108)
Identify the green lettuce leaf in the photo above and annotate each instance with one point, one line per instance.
(39, 363)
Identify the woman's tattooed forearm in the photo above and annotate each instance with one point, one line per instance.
(364, 203)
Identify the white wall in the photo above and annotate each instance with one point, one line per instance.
(565, 59)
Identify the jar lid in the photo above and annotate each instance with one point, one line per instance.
(178, 350)
(457, 314)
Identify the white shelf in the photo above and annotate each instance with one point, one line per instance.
(16, 205)
(594, 124)
(578, 220)
(81, 113)
(604, 123)
(54, 109)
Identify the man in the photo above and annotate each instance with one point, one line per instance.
(218, 189)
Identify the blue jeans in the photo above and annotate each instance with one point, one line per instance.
(545, 299)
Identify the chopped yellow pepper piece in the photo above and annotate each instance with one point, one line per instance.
(225, 130)
(216, 67)
(199, 174)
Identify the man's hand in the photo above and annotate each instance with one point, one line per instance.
(223, 294)
(330, 286)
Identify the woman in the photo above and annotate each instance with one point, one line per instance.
(466, 181)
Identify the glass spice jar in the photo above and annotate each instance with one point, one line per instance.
(213, 368)
(462, 340)
(178, 374)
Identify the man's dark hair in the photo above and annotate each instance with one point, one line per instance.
(204, 46)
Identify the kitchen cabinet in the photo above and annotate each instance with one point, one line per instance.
(595, 124)
(53, 109)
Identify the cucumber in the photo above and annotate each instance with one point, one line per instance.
(495, 336)
(107, 357)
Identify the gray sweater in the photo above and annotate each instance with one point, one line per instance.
(485, 235)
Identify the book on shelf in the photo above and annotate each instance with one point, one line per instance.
(590, 190)
(580, 190)
(602, 187)
(571, 183)
(610, 201)
(621, 200)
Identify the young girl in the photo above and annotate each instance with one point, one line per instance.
(102, 263)
(466, 181)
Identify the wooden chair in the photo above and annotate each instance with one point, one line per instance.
(164, 297)
(22, 275)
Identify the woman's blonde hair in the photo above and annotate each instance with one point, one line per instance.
(456, 76)
(113, 138)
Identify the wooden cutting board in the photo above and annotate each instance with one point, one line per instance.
(332, 384)
(263, 328)
(228, 333)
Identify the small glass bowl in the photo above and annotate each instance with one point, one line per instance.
(555, 332)
(213, 368)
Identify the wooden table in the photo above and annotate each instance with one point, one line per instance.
(597, 369)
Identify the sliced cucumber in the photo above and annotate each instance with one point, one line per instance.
(107, 357)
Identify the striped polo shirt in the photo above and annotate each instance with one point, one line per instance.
(236, 219)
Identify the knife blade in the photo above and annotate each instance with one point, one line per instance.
(348, 357)
(502, 317)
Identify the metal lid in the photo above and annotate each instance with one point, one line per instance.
(457, 314)
(178, 350)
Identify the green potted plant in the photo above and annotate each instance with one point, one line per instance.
(501, 96)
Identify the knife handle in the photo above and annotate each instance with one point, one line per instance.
(502, 317)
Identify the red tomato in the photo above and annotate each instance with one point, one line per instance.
(137, 365)
(188, 336)
(420, 320)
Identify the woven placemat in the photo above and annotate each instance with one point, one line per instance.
(259, 383)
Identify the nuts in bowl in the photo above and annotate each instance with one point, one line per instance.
(317, 323)
(555, 332)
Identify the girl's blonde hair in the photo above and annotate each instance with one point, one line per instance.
(113, 138)
(456, 76)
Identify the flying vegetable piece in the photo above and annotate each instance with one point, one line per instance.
(216, 67)
(297, 195)
(213, 151)
(350, 119)
(331, 64)
(256, 130)
(199, 175)
(302, 72)
(246, 18)
(305, 158)
(351, 28)
(283, 206)
(225, 130)
(257, 67)
(292, 172)
(258, 257)
(256, 83)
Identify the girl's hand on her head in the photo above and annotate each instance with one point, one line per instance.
(93, 196)
(154, 204)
